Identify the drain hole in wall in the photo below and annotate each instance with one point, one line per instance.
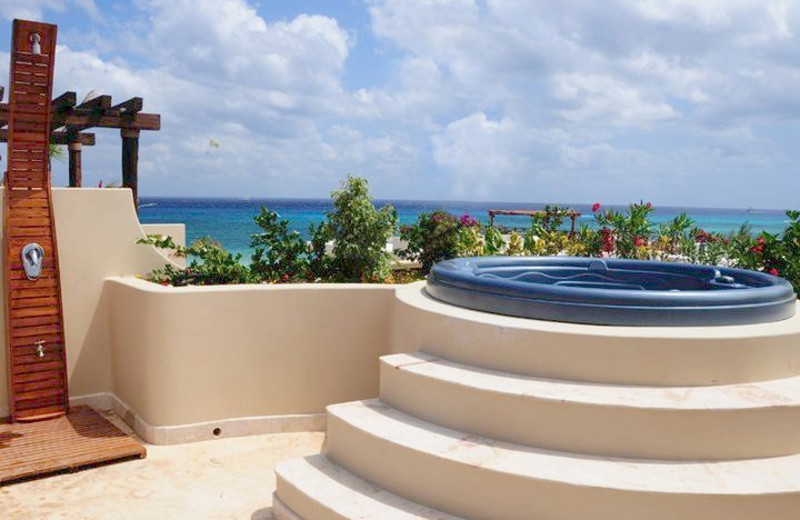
(216, 432)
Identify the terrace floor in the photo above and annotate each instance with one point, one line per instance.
(224, 478)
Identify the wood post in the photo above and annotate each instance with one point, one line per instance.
(75, 174)
(130, 162)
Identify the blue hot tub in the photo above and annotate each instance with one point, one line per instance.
(612, 292)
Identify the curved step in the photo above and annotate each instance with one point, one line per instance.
(656, 356)
(744, 421)
(314, 488)
(477, 478)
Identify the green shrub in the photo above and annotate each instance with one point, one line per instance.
(779, 255)
(209, 264)
(360, 233)
(433, 238)
(627, 234)
(278, 254)
(493, 242)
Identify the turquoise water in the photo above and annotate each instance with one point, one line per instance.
(230, 221)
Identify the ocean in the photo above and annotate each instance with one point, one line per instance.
(230, 221)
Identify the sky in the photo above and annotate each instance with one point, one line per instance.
(678, 102)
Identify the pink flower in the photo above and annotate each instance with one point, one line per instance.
(774, 272)
(638, 241)
(648, 205)
(467, 221)
(596, 207)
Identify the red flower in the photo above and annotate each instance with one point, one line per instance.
(648, 205)
(774, 272)
(638, 241)
(595, 207)
(757, 249)
(760, 241)
(608, 239)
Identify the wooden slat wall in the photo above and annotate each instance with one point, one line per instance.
(38, 385)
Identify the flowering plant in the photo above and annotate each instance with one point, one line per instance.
(434, 237)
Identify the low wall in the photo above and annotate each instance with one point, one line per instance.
(203, 354)
(173, 361)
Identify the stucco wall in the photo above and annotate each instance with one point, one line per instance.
(96, 231)
(199, 354)
(175, 231)
(177, 356)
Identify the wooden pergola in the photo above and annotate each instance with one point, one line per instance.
(70, 120)
(571, 214)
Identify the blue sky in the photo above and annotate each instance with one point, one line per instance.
(679, 102)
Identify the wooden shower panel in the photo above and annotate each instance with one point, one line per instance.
(35, 324)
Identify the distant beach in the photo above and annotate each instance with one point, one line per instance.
(230, 221)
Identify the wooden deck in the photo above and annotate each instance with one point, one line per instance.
(80, 439)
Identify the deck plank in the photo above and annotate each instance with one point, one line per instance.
(77, 440)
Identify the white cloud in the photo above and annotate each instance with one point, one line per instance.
(35, 9)
(627, 84)
(501, 99)
(27, 9)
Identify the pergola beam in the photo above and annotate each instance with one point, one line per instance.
(61, 105)
(97, 103)
(64, 102)
(85, 138)
(81, 120)
(131, 106)
(97, 112)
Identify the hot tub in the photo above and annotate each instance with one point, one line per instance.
(612, 292)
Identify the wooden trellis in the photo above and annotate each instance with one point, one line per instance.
(71, 119)
(571, 214)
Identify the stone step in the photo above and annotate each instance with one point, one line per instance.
(654, 356)
(479, 478)
(743, 421)
(314, 488)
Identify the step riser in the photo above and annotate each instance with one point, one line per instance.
(478, 493)
(594, 429)
(293, 504)
(638, 356)
(280, 511)
(315, 488)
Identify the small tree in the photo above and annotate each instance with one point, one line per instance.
(360, 232)
(432, 239)
(279, 255)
